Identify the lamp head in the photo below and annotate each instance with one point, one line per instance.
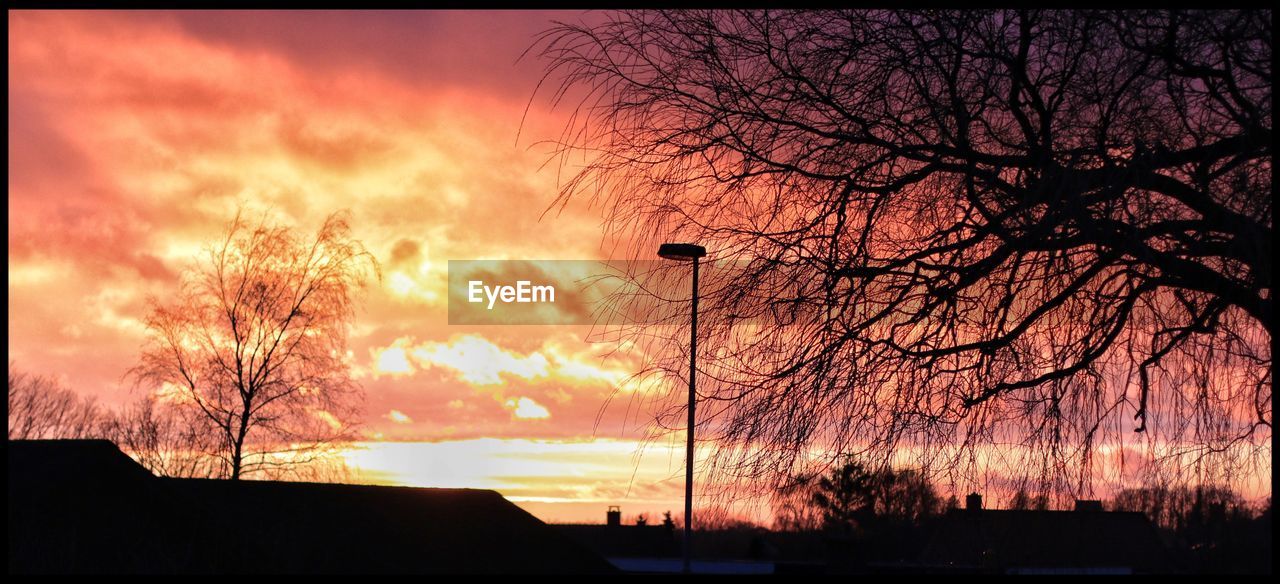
(681, 251)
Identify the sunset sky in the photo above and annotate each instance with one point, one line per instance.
(133, 138)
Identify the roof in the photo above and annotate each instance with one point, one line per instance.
(84, 506)
(614, 541)
(1045, 541)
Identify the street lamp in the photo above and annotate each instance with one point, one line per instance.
(688, 252)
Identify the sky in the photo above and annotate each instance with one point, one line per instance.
(134, 138)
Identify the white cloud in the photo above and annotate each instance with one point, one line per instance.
(398, 417)
(527, 409)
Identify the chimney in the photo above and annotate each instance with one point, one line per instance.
(614, 516)
(973, 502)
(1089, 505)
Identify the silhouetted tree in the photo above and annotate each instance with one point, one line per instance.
(167, 440)
(720, 517)
(793, 508)
(995, 227)
(255, 344)
(846, 497)
(1182, 509)
(854, 496)
(953, 502)
(1211, 528)
(1023, 501)
(40, 408)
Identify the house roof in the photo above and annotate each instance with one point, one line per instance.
(1012, 540)
(84, 506)
(616, 541)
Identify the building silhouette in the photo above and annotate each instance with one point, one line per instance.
(78, 506)
(1085, 540)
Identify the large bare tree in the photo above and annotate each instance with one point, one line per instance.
(1012, 236)
(255, 344)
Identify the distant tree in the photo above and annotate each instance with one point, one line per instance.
(1183, 509)
(952, 502)
(1211, 528)
(41, 408)
(852, 496)
(905, 495)
(255, 343)
(846, 497)
(721, 518)
(667, 522)
(1023, 501)
(793, 508)
(1010, 226)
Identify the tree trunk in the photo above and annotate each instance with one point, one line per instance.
(235, 460)
(237, 448)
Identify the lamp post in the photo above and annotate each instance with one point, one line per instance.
(688, 252)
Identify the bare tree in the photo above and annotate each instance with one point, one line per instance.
(41, 409)
(1182, 508)
(1210, 528)
(793, 506)
(167, 440)
(1011, 229)
(1024, 501)
(255, 344)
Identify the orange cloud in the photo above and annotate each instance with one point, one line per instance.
(133, 137)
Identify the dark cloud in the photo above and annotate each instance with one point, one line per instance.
(405, 251)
